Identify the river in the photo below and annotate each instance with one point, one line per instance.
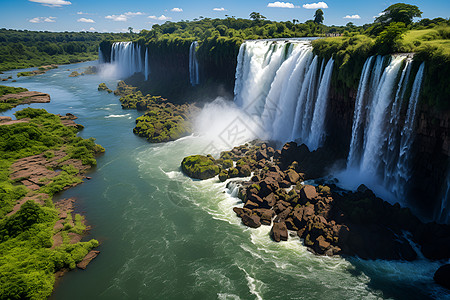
(165, 236)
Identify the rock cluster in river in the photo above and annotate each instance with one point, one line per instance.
(328, 220)
(163, 121)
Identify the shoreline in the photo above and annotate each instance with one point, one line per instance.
(60, 160)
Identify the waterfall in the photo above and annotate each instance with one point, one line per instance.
(383, 122)
(281, 84)
(101, 59)
(359, 116)
(127, 58)
(193, 64)
(146, 66)
(443, 210)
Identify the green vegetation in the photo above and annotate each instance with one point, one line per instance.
(103, 87)
(163, 121)
(11, 102)
(199, 167)
(5, 90)
(394, 32)
(24, 49)
(27, 263)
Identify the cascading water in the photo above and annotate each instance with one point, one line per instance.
(146, 65)
(101, 59)
(127, 58)
(442, 214)
(193, 64)
(381, 135)
(281, 84)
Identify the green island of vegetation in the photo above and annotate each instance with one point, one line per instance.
(29, 252)
(163, 121)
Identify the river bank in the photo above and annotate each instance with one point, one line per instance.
(40, 156)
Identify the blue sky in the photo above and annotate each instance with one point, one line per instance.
(118, 15)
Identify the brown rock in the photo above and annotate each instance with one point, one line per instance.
(253, 221)
(293, 176)
(308, 194)
(251, 205)
(266, 215)
(279, 232)
(241, 211)
(270, 200)
(87, 259)
(321, 245)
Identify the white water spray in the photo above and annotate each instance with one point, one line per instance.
(279, 82)
(126, 56)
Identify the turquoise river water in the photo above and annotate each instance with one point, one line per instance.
(165, 236)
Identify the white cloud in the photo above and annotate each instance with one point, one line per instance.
(92, 29)
(42, 20)
(84, 20)
(380, 14)
(117, 18)
(52, 3)
(133, 13)
(81, 13)
(281, 4)
(315, 5)
(219, 9)
(176, 9)
(160, 18)
(352, 17)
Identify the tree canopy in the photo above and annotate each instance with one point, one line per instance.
(318, 16)
(399, 12)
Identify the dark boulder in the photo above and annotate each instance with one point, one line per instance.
(442, 276)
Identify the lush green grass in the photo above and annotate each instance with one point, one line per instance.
(437, 38)
(27, 263)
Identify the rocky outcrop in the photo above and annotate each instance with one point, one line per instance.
(200, 167)
(329, 223)
(27, 97)
(87, 259)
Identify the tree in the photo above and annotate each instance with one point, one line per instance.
(130, 29)
(387, 39)
(256, 16)
(318, 16)
(399, 12)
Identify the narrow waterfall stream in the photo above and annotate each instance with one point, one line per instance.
(193, 64)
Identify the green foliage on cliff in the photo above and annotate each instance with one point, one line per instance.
(24, 49)
(349, 53)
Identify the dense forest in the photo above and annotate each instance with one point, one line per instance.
(24, 49)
